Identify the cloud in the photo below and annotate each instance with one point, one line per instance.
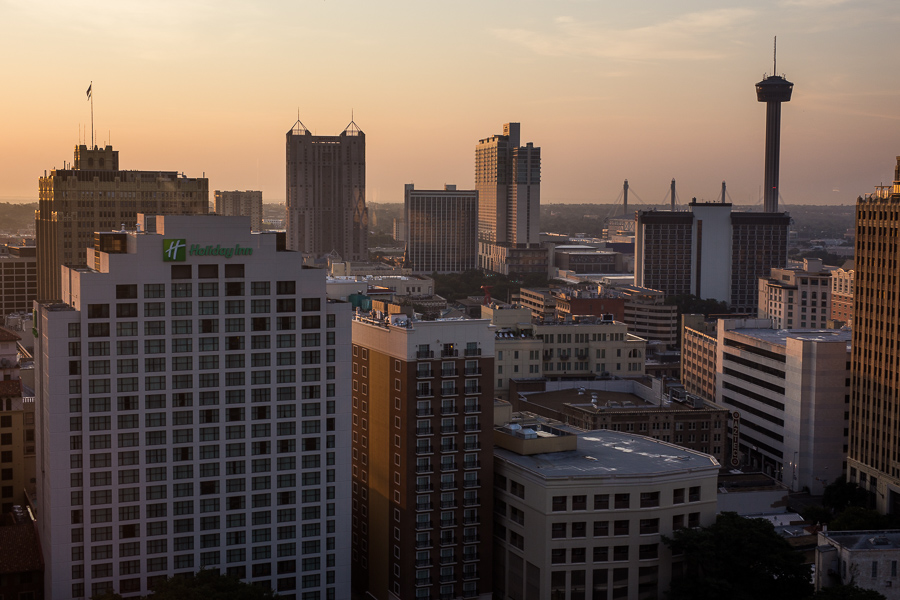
(692, 36)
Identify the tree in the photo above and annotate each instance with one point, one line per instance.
(847, 592)
(842, 494)
(856, 518)
(738, 559)
(816, 513)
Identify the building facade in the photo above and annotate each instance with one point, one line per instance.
(441, 229)
(326, 193)
(865, 559)
(791, 389)
(508, 181)
(875, 397)
(710, 252)
(842, 290)
(583, 516)
(193, 396)
(18, 278)
(797, 298)
(16, 428)
(94, 194)
(241, 204)
(422, 471)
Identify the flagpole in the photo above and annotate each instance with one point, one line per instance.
(92, 116)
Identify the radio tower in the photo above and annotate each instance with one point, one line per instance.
(773, 90)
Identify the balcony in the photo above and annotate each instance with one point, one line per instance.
(424, 373)
(472, 427)
(449, 540)
(472, 464)
(448, 503)
(424, 412)
(472, 408)
(449, 372)
(470, 574)
(471, 483)
(424, 430)
(420, 525)
(424, 469)
(471, 520)
(449, 522)
(449, 448)
(449, 353)
(449, 428)
(473, 389)
(425, 354)
(424, 392)
(473, 371)
(449, 391)
(447, 579)
(471, 501)
(448, 466)
(424, 487)
(471, 539)
(423, 562)
(426, 449)
(449, 409)
(423, 544)
(473, 352)
(448, 485)
(424, 506)
(470, 556)
(472, 446)
(421, 581)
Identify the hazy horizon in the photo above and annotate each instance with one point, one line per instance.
(644, 92)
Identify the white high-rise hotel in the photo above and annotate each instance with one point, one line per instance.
(193, 410)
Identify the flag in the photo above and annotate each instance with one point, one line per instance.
(89, 90)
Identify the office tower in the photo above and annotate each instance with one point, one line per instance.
(93, 194)
(773, 90)
(241, 204)
(583, 514)
(842, 281)
(798, 297)
(422, 458)
(710, 252)
(508, 181)
(790, 390)
(875, 397)
(193, 396)
(441, 229)
(18, 278)
(326, 193)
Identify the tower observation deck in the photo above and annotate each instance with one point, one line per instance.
(773, 91)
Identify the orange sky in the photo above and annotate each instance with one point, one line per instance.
(646, 92)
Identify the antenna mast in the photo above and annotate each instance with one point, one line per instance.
(775, 56)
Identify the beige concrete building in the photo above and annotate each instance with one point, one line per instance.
(842, 287)
(326, 193)
(587, 348)
(866, 559)
(582, 515)
(791, 389)
(241, 204)
(94, 194)
(698, 356)
(16, 428)
(422, 471)
(797, 298)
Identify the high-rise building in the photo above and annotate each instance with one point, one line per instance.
(422, 458)
(710, 252)
(18, 277)
(441, 229)
(508, 181)
(93, 194)
(241, 204)
(16, 427)
(798, 297)
(194, 412)
(326, 193)
(875, 396)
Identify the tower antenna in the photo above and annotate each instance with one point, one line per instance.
(91, 98)
(775, 56)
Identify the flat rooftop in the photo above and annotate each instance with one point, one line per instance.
(780, 336)
(606, 401)
(885, 539)
(605, 453)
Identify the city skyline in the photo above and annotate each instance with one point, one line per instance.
(609, 93)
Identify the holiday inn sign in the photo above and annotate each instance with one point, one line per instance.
(177, 250)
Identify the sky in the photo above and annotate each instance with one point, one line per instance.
(645, 91)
